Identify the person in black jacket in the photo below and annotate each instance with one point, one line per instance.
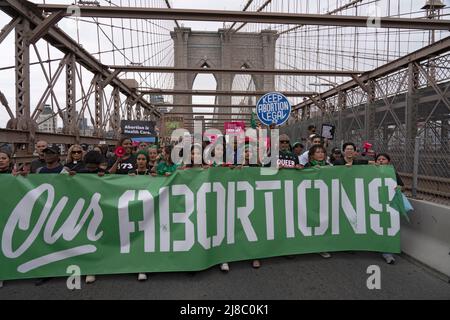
(92, 161)
(317, 157)
(349, 150)
(286, 159)
(40, 162)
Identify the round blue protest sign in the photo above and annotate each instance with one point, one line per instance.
(273, 108)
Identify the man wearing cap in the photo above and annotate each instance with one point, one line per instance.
(52, 165)
(286, 159)
(51, 158)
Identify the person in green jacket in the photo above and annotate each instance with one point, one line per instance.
(166, 167)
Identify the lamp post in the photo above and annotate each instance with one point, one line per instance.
(433, 8)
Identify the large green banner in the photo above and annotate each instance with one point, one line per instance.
(191, 220)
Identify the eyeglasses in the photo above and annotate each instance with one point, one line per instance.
(284, 141)
(77, 152)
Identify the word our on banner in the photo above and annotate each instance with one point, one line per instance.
(191, 220)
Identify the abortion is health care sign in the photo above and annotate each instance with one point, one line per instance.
(273, 108)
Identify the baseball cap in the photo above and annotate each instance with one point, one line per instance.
(52, 149)
(93, 157)
(297, 144)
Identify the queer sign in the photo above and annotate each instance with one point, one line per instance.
(191, 220)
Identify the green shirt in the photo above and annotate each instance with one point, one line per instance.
(163, 168)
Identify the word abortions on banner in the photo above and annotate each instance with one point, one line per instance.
(191, 221)
(273, 108)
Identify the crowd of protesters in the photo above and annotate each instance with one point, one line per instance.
(153, 160)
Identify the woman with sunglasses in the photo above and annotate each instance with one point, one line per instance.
(74, 160)
(286, 159)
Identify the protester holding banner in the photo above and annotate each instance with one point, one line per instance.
(103, 150)
(217, 155)
(317, 157)
(297, 149)
(74, 160)
(51, 157)
(40, 162)
(349, 150)
(248, 163)
(196, 158)
(335, 155)
(286, 159)
(385, 159)
(92, 164)
(125, 163)
(315, 140)
(235, 152)
(166, 167)
(5, 162)
(141, 164)
(142, 159)
(153, 157)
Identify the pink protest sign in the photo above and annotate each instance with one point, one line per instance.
(234, 127)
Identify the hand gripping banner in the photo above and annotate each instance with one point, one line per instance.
(191, 220)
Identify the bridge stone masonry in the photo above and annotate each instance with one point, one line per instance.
(224, 49)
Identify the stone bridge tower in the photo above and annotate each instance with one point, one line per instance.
(222, 50)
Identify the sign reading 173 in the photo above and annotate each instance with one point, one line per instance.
(273, 108)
